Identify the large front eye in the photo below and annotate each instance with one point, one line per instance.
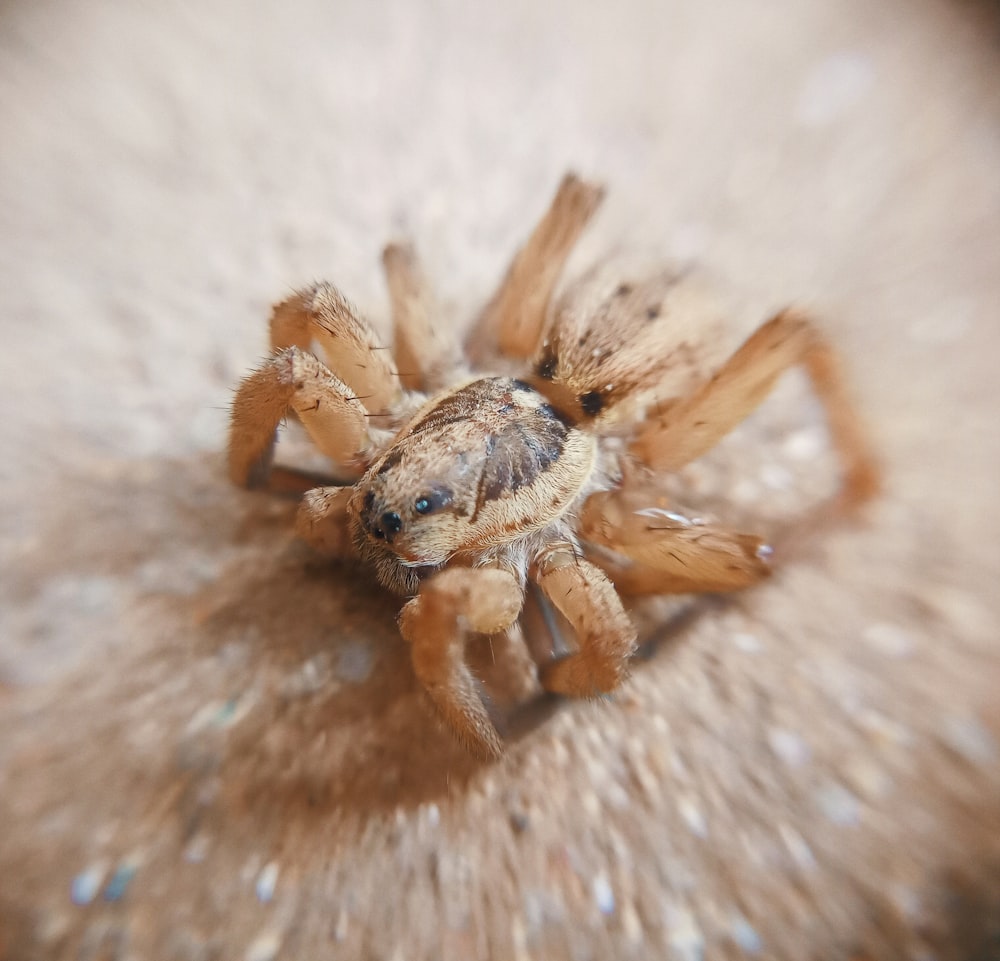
(433, 500)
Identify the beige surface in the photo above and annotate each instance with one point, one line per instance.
(225, 730)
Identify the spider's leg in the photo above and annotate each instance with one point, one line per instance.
(514, 318)
(427, 354)
(623, 337)
(484, 600)
(604, 634)
(646, 549)
(294, 381)
(691, 426)
(322, 521)
(350, 347)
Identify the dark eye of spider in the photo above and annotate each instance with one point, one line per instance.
(592, 403)
(434, 500)
(547, 368)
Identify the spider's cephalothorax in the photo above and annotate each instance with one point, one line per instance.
(477, 470)
(454, 501)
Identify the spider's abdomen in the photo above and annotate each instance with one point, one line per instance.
(479, 466)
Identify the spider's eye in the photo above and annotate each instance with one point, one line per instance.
(392, 522)
(433, 500)
(592, 403)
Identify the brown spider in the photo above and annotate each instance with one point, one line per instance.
(456, 500)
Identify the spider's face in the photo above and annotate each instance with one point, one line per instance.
(482, 465)
(409, 515)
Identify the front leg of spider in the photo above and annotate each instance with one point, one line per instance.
(605, 636)
(294, 381)
(436, 622)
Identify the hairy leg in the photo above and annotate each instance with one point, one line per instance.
(691, 426)
(427, 354)
(350, 347)
(623, 336)
(294, 381)
(514, 318)
(651, 550)
(604, 634)
(456, 600)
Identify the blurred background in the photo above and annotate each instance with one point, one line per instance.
(211, 743)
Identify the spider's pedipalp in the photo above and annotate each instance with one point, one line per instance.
(322, 521)
(692, 426)
(484, 600)
(427, 356)
(294, 380)
(350, 347)
(605, 636)
(514, 318)
(646, 549)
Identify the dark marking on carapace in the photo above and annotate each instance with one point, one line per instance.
(392, 460)
(491, 443)
(516, 456)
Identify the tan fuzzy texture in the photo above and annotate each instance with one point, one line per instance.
(516, 315)
(635, 336)
(503, 472)
(605, 636)
(294, 382)
(436, 623)
(427, 354)
(322, 521)
(320, 314)
(692, 425)
(213, 744)
(647, 549)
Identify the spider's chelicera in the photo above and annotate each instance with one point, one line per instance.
(535, 453)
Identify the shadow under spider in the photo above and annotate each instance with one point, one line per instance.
(361, 745)
(369, 742)
(533, 714)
